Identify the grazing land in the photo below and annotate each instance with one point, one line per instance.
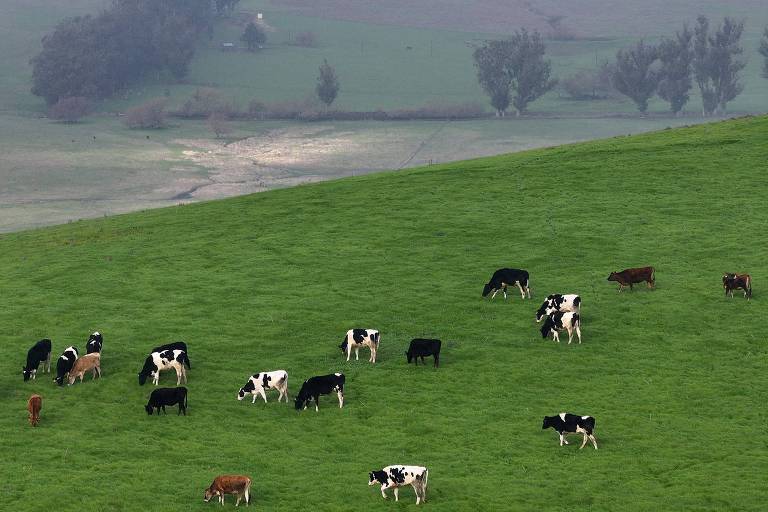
(675, 377)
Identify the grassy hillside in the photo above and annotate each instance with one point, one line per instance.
(676, 377)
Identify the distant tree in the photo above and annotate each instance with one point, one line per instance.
(69, 110)
(514, 70)
(327, 87)
(202, 103)
(253, 36)
(764, 52)
(149, 115)
(225, 6)
(717, 64)
(676, 56)
(635, 76)
(218, 122)
(592, 84)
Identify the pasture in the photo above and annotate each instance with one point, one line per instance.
(675, 377)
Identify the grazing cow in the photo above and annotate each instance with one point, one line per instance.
(565, 423)
(34, 404)
(165, 360)
(557, 302)
(176, 345)
(631, 276)
(161, 397)
(505, 277)
(393, 477)
(559, 321)
(87, 363)
(39, 353)
(65, 363)
(733, 281)
(259, 383)
(95, 341)
(321, 385)
(356, 338)
(239, 485)
(421, 347)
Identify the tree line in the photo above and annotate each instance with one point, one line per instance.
(97, 56)
(514, 71)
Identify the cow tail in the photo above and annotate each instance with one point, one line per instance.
(749, 287)
(653, 276)
(376, 339)
(186, 401)
(185, 361)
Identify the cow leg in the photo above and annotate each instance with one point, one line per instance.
(631, 287)
(562, 439)
(237, 503)
(522, 292)
(317, 403)
(437, 360)
(384, 488)
(494, 293)
(263, 394)
(341, 399)
(578, 331)
(584, 441)
(254, 398)
(357, 353)
(570, 334)
(621, 287)
(397, 497)
(555, 336)
(504, 289)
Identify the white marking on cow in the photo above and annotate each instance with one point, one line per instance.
(562, 416)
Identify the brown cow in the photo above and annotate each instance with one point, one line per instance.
(89, 362)
(733, 281)
(239, 485)
(34, 404)
(634, 275)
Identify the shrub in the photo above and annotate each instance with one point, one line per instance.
(147, 115)
(218, 122)
(203, 103)
(69, 110)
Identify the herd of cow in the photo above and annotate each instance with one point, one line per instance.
(559, 312)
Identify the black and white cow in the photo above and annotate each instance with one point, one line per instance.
(161, 397)
(357, 338)
(176, 345)
(558, 302)
(559, 321)
(566, 423)
(65, 363)
(95, 340)
(259, 383)
(423, 347)
(39, 353)
(156, 362)
(508, 277)
(321, 385)
(394, 477)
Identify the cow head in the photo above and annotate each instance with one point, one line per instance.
(209, 493)
(548, 327)
(549, 422)
(542, 312)
(301, 398)
(612, 277)
(487, 289)
(377, 476)
(409, 356)
(149, 409)
(27, 373)
(247, 388)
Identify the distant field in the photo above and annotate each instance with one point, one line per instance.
(676, 377)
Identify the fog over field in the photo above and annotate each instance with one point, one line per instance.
(408, 95)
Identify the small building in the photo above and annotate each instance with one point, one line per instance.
(259, 16)
(228, 47)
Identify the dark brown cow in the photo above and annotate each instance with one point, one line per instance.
(239, 485)
(634, 275)
(733, 281)
(34, 404)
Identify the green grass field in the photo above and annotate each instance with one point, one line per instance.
(676, 377)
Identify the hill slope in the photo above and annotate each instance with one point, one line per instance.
(676, 377)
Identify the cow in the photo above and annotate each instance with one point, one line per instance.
(239, 485)
(356, 338)
(87, 363)
(394, 477)
(259, 383)
(321, 385)
(565, 423)
(176, 345)
(95, 340)
(558, 302)
(631, 276)
(40, 352)
(165, 360)
(733, 281)
(65, 363)
(161, 397)
(508, 277)
(34, 404)
(422, 347)
(559, 321)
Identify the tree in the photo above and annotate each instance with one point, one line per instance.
(224, 6)
(69, 110)
(676, 56)
(764, 52)
(147, 115)
(635, 76)
(253, 36)
(327, 87)
(716, 63)
(218, 122)
(514, 70)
